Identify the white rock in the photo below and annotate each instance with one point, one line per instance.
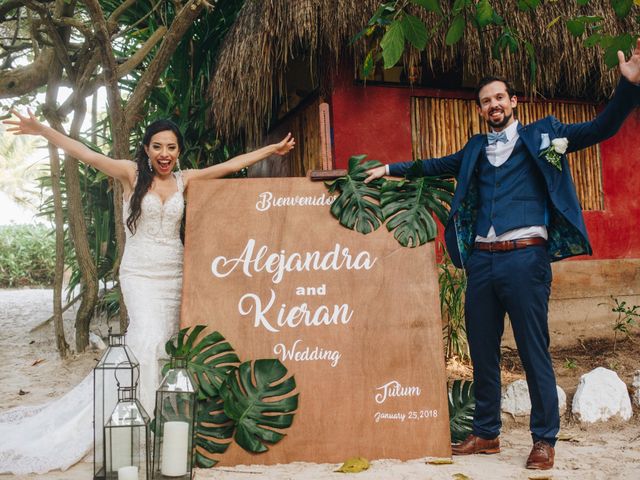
(515, 399)
(601, 396)
(96, 342)
(636, 388)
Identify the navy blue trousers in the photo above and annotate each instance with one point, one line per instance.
(517, 282)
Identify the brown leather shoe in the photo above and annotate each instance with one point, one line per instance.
(541, 456)
(473, 444)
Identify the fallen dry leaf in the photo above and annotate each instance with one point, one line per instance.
(354, 465)
(460, 476)
(440, 461)
(22, 392)
(36, 362)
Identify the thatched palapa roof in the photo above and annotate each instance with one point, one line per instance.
(269, 33)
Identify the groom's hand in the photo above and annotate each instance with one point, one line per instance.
(374, 173)
(631, 69)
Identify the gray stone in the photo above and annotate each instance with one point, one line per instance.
(601, 396)
(515, 399)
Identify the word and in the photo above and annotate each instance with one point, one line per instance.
(395, 389)
(306, 354)
(292, 317)
(252, 261)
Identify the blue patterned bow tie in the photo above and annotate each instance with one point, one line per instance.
(493, 137)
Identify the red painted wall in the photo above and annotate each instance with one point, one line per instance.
(377, 121)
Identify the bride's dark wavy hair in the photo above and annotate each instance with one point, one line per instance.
(145, 177)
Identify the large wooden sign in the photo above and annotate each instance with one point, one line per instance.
(354, 318)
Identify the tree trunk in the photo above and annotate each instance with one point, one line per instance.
(78, 228)
(52, 93)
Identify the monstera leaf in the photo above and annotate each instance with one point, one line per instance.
(250, 404)
(461, 407)
(409, 206)
(358, 205)
(208, 360)
(212, 425)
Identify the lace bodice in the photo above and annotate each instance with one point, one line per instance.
(159, 222)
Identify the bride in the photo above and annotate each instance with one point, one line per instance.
(36, 439)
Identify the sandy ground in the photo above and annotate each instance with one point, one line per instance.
(30, 364)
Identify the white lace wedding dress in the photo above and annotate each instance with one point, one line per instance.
(58, 434)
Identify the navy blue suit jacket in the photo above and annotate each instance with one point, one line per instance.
(566, 228)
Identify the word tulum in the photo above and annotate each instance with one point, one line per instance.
(252, 261)
(294, 316)
(306, 354)
(266, 200)
(394, 389)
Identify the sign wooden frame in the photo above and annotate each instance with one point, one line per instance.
(354, 318)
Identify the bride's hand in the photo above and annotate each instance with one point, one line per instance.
(285, 145)
(25, 125)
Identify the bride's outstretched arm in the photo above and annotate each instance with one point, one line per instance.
(241, 161)
(123, 170)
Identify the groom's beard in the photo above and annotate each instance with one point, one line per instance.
(501, 123)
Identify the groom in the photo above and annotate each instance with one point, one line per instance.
(514, 211)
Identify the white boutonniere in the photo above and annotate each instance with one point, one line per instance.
(552, 151)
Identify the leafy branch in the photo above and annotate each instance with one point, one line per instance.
(395, 27)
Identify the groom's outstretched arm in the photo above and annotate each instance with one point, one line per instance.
(609, 121)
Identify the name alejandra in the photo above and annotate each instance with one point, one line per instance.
(253, 260)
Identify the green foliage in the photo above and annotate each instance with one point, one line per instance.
(622, 7)
(456, 30)
(230, 405)
(453, 284)
(252, 406)
(393, 22)
(357, 207)
(570, 363)
(27, 256)
(209, 360)
(626, 318)
(407, 206)
(461, 407)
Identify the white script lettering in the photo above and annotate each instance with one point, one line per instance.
(294, 316)
(252, 261)
(389, 416)
(306, 354)
(394, 389)
(266, 201)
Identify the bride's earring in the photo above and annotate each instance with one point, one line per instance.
(149, 163)
(178, 163)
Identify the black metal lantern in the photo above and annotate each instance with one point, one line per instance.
(126, 439)
(175, 414)
(105, 392)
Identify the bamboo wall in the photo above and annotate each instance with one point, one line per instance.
(440, 126)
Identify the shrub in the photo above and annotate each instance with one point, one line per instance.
(27, 255)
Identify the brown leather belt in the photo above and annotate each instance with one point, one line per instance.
(509, 245)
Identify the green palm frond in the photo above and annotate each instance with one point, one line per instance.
(358, 205)
(250, 404)
(209, 360)
(409, 205)
(462, 404)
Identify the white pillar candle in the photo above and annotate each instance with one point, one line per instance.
(128, 473)
(120, 447)
(175, 449)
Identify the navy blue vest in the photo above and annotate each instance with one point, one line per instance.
(512, 195)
